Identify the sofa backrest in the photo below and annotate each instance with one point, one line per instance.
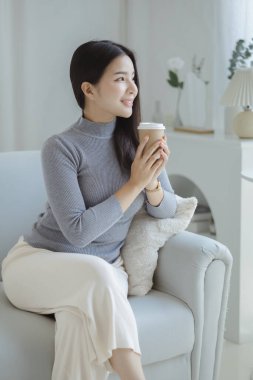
(22, 195)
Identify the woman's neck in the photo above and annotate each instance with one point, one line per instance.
(97, 116)
(96, 129)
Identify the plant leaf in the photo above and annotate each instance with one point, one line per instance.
(173, 79)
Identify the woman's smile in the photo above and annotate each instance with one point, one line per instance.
(128, 102)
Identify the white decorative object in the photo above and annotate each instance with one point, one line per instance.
(175, 63)
(240, 93)
(145, 236)
(177, 119)
(192, 106)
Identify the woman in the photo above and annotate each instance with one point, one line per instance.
(97, 177)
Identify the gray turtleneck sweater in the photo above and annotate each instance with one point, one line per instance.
(82, 174)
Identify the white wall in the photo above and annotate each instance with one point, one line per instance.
(38, 37)
(161, 29)
(168, 28)
(37, 40)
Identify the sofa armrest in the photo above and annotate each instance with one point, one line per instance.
(197, 270)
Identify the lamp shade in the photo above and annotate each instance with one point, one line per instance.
(240, 89)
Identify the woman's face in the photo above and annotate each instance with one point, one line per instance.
(114, 94)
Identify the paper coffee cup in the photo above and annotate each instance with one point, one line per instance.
(155, 131)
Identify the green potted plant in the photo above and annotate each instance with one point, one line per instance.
(240, 56)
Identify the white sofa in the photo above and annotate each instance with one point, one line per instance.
(180, 322)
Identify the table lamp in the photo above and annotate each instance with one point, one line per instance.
(240, 93)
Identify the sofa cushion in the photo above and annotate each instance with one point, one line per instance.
(165, 326)
(26, 343)
(20, 203)
(145, 237)
(30, 336)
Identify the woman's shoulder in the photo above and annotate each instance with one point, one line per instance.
(68, 138)
(65, 143)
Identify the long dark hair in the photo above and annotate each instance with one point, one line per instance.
(88, 64)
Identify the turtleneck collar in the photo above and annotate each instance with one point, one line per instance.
(94, 129)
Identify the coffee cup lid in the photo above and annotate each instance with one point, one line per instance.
(151, 126)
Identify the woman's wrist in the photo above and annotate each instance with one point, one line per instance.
(134, 186)
(152, 186)
(155, 196)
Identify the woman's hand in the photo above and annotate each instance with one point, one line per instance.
(165, 153)
(147, 165)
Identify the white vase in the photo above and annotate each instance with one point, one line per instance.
(192, 106)
(177, 120)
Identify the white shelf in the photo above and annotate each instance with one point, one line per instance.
(209, 138)
(218, 168)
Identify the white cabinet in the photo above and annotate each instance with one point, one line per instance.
(213, 168)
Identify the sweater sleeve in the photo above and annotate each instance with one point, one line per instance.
(79, 225)
(167, 207)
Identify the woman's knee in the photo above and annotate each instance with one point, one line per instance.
(102, 272)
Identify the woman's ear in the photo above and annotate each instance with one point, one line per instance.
(87, 89)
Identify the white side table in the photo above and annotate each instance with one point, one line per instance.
(218, 167)
(247, 248)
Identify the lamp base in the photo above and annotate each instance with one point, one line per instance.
(243, 124)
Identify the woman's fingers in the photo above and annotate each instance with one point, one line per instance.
(150, 162)
(141, 153)
(165, 146)
(156, 156)
(166, 149)
(157, 165)
(161, 165)
(151, 150)
(166, 154)
(141, 146)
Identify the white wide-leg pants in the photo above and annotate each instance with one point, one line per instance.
(89, 299)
